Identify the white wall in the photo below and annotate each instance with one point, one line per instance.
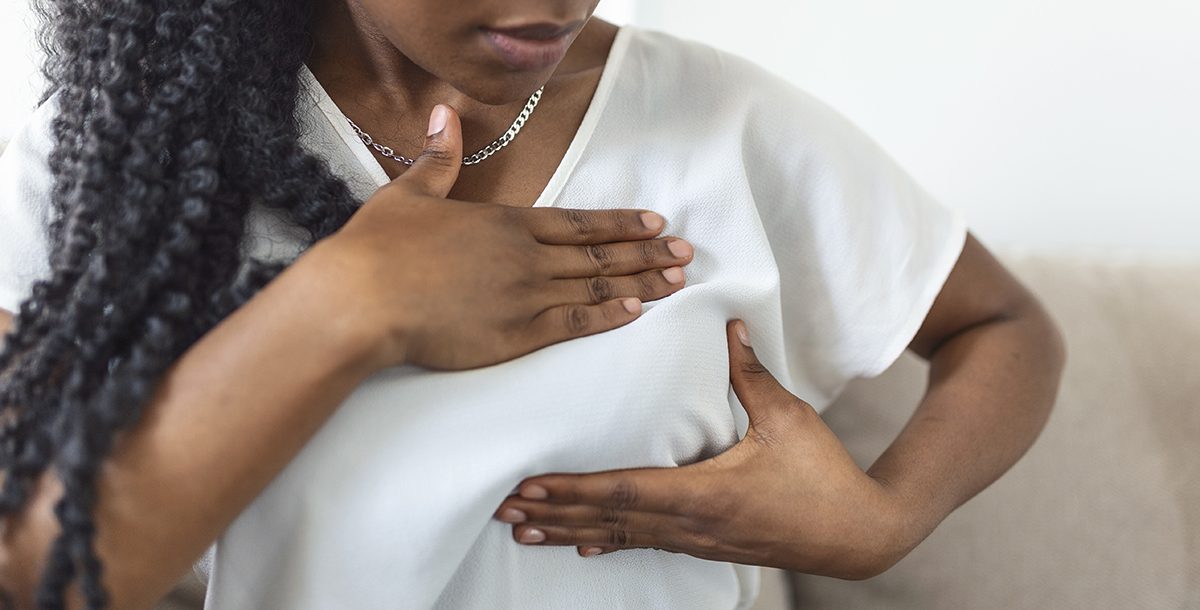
(18, 72)
(1055, 125)
(1065, 125)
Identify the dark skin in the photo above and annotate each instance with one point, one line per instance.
(787, 496)
(365, 67)
(279, 366)
(995, 354)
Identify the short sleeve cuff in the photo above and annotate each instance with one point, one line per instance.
(943, 263)
(10, 299)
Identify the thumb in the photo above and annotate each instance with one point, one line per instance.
(755, 386)
(436, 169)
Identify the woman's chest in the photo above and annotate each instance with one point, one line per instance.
(425, 457)
(655, 392)
(652, 393)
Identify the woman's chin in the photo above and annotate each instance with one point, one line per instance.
(501, 88)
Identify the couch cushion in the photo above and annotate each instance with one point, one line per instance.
(1104, 510)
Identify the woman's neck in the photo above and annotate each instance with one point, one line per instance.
(362, 69)
(350, 53)
(390, 96)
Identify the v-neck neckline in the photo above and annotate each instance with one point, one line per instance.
(591, 118)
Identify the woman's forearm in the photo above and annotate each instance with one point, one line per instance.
(224, 421)
(991, 389)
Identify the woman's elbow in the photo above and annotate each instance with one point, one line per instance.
(1051, 341)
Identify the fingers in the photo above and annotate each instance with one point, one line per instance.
(645, 286)
(436, 169)
(565, 322)
(620, 258)
(516, 511)
(750, 378)
(755, 386)
(660, 490)
(592, 551)
(577, 227)
(560, 536)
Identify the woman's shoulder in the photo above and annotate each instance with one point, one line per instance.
(26, 180)
(696, 84)
(30, 146)
(702, 70)
(713, 101)
(26, 184)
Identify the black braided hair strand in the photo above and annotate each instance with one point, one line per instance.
(172, 117)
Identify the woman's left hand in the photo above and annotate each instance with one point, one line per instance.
(788, 495)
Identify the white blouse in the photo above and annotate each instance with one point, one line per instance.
(803, 227)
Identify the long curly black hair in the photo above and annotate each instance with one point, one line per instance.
(173, 117)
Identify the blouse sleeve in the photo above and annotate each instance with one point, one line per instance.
(25, 186)
(862, 249)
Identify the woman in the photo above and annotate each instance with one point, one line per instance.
(237, 320)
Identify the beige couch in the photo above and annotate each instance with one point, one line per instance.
(1104, 510)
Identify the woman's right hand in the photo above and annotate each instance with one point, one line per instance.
(450, 284)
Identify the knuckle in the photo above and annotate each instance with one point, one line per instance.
(553, 514)
(576, 319)
(623, 495)
(753, 369)
(618, 537)
(612, 518)
(565, 536)
(647, 287)
(600, 289)
(437, 154)
(766, 433)
(570, 495)
(580, 222)
(692, 525)
(620, 222)
(602, 257)
(648, 253)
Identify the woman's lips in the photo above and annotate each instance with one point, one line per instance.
(534, 47)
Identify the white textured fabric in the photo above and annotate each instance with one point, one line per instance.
(25, 183)
(802, 226)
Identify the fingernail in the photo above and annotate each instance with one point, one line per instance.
(652, 221)
(512, 515)
(680, 248)
(535, 492)
(592, 551)
(632, 305)
(673, 275)
(437, 119)
(742, 333)
(532, 535)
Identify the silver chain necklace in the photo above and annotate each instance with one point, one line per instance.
(482, 154)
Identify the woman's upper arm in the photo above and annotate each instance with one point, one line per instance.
(5, 322)
(863, 249)
(978, 290)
